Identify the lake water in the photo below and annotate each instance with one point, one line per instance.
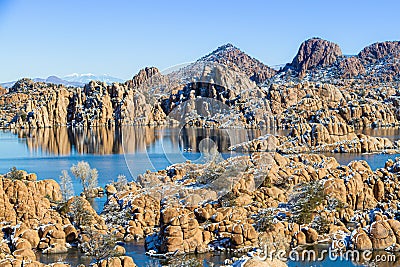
(131, 151)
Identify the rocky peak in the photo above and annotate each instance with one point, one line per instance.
(143, 76)
(313, 53)
(233, 57)
(224, 47)
(376, 51)
(23, 85)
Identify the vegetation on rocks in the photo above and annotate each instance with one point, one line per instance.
(86, 175)
(99, 246)
(306, 197)
(15, 174)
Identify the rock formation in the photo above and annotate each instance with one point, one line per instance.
(29, 218)
(32, 220)
(264, 182)
(143, 76)
(2, 91)
(351, 67)
(233, 57)
(377, 51)
(320, 60)
(313, 53)
(317, 137)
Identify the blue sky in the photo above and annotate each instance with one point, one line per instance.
(41, 38)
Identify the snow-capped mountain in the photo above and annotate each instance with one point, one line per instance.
(85, 78)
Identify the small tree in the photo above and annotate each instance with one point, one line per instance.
(265, 221)
(15, 174)
(321, 224)
(79, 213)
(304, 200)
(99, 246)
(85, 174)
(67, 189)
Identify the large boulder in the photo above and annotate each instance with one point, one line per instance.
(360, 240)
(382, 235)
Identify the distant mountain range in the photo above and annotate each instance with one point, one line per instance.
(75, 79)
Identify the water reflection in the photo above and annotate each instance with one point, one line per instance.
(103, 140)
(392, 133)
(100, 140)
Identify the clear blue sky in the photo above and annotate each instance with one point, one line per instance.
(56, 37)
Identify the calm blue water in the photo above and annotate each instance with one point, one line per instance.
(47, 151)
(131, 151)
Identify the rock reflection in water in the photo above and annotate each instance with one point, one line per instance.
(74, 257)
(130, 139)
(99, 140)
(392, 133)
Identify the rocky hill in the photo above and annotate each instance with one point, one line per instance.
(377, 51)
(314, 53)
(321, 60)
(238, 60)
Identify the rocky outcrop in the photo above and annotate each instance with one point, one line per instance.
(313, 53)
(19, 196)
(38, 105)
(184, 231)
(90, 219)
(30, 219)
(233, 57)
(377, 51)
(143, 76)
(375, 65)
(143, 210)
(332, 137)
(351, 67)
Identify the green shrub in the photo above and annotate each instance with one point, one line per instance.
(320, 224)
(15, 174)
(304, 200)
(264, 221)
(228, 200)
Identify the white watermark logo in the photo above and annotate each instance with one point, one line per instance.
(336, 252)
